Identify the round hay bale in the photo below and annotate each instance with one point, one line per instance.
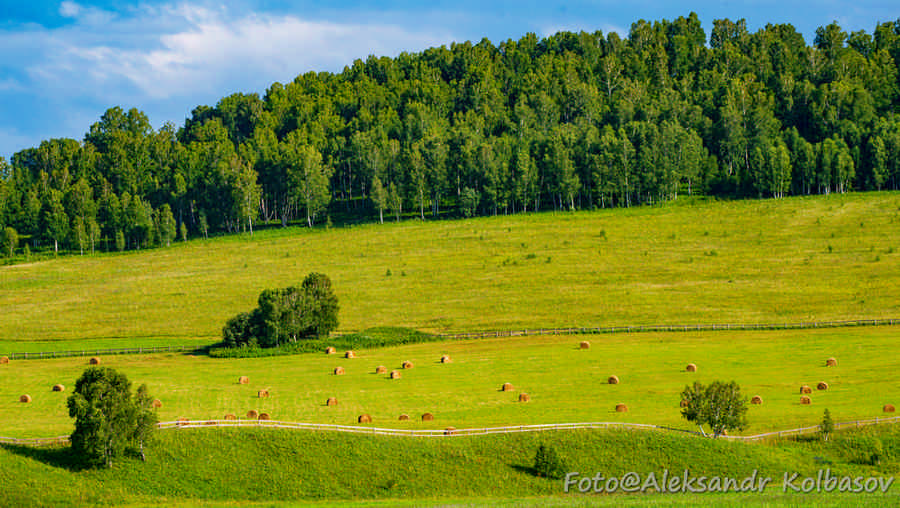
(613, 380)
(756, 400)
(427, 417)
(263, 394)
(59, 388)
(684, 403)
(230, 416)
(94, 361)
(404, 417)
(395, 374)
(889, 408)
(585, 345)
(4, 359)
(252, 414)
(264, 416)
(338, 371)
(330, 350)
(446, 359)
(381, 369)
(805, 389)
(449, 431)
(364, 419)
(349, 354)
(156, 403)
(25, 398)
(691, 367)
(507, 387)
(831, 362)
(182, 421)
(805, 400)
(243, 380)
(407, 364)
(211, 423)
(332, 401)
(621, 408)
(524, 397)
(822, 385)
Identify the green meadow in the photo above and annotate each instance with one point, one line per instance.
(565, 383)
(267, 467)
(800, 259)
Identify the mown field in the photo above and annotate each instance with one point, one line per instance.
(264, 467)
(565, 383)
(799, 259)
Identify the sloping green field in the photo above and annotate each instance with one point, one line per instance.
(800, 259)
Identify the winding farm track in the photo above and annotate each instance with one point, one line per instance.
(451, 432)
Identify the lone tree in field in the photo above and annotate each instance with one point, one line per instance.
(286, 315)
(719, 405)
(827, 425)
(108, 419)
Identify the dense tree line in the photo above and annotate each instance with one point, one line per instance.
(572, 121)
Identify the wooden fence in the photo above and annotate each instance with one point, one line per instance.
(98, 352)
(452, 432)
(512, 333)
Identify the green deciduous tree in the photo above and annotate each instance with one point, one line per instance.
(719, 405)
(9, 241)
(108, 418)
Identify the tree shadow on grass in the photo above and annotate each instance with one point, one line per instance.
(56, 456)
(529, 470)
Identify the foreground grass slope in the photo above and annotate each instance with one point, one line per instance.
(799, 259)
(191, 466)
(566, 384)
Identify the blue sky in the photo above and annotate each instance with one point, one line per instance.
(63, 63)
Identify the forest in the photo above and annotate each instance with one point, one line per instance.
(573, 121)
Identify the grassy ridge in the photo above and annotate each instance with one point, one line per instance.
(266, 465)
(799, 259)
(566, 384)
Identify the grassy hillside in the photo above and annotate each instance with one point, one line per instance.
(566, 384)
(230, 467)
(800, 259)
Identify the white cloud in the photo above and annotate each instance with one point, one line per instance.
(69, 9)
(182, 50)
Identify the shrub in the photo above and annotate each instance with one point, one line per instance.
(547, 462)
